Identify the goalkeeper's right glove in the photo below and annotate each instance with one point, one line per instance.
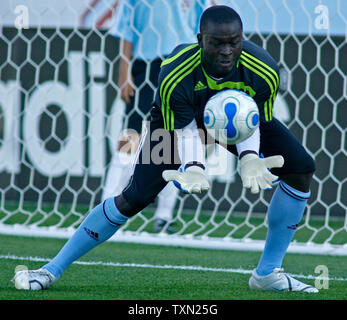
(191, 180)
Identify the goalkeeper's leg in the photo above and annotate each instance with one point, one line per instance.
(286, 208)
(100, 224)
(289, 201)
(287, 205)
(106, 218)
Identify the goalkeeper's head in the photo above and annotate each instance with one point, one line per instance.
(220, 39)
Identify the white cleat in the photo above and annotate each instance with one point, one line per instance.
(278, 280)
(33, 279)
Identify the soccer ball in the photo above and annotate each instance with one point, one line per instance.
(231, 116)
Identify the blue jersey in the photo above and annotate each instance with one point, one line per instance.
(184, 87)
(156, 27)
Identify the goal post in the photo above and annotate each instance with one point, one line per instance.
(60, 117)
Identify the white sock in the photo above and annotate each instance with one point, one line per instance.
(166, 202)
(118, 174)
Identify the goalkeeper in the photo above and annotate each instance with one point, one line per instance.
(221, 59)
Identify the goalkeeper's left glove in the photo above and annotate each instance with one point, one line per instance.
(254, 171)
(191, 180)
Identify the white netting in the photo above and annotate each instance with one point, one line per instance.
(59, 120)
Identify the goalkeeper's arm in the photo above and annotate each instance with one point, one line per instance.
(254, 170)
(191, 178)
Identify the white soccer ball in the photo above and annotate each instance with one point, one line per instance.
(231, 116)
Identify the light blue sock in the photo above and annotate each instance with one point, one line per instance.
(100, 224)
(285, 212)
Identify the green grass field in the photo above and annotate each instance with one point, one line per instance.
(117, 271)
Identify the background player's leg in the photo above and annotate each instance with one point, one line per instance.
(147, 181)
(119, 172)
(166, 203)
(121, 166)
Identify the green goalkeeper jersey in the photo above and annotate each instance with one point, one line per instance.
(184, 87)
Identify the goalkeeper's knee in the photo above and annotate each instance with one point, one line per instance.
(299, 181)
(129, 209)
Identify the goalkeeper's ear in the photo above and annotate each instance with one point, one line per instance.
(199, 37)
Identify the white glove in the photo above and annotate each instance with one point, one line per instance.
(192, 180)
(254, 171)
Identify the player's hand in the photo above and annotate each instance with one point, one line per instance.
(192, 180)
(254, 171)
(127, 93)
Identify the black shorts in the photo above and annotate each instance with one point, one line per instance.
(276, 139)
(144, 93)
(147, 181)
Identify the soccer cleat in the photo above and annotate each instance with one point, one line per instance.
(278, 280)
(161, 224)
(33, 279)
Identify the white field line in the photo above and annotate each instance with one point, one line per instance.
(172, 267)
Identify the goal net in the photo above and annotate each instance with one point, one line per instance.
(61, 116)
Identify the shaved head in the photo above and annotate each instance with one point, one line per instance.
(219, 15)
